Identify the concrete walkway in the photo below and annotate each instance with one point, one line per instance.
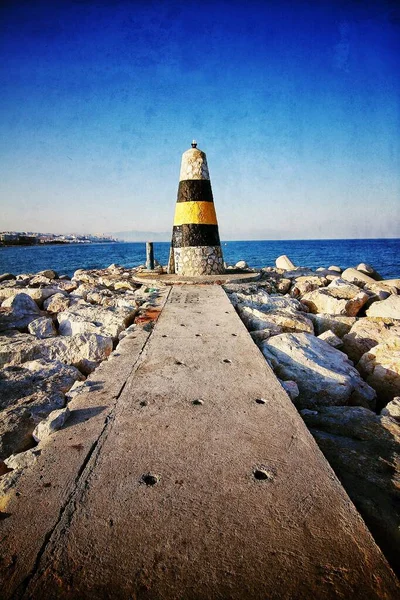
(173, 480)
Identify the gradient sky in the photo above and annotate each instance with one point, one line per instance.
(297, 105)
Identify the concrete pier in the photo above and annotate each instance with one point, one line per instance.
(186, 473)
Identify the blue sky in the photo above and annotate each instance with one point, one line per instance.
(297, 105)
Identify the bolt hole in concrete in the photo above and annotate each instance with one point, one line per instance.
(150, 479)
(261, 401)
(234, 334)
(178, 362)
(263, 474)
(227, 360)
(198, 334)
(183, 325)
(164, 335)
(144, 403)
(198, 402)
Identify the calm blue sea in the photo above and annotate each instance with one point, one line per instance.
(382, 254)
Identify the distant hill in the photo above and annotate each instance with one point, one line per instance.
(142, 236)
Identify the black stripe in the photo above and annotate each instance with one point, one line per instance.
(195, 235)
(194, 190)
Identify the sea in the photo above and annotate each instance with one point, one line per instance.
(382, 254)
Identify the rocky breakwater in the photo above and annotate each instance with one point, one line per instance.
(332, 338)
(54, 332)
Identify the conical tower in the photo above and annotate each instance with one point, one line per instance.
(195, 247)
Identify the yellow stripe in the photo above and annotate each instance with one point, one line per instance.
(202, 213)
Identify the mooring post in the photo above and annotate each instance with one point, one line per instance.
(149, 256)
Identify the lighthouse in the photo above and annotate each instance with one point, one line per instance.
(195, 247)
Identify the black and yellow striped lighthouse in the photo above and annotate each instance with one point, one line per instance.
(195, 246)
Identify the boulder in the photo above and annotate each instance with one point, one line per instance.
(28, 393)
(370, 271)
(330, 338)
(337, 324)
(37, 294)
(389, 308)
(380, 367)
(241, 264)
(277, 321)
(283, 285)
(65, 285)
(291, 388)
(363, 450)
(335, 269)
(284, 262)
(392, 409)
(17, 312)
(367, 333)
(56, 303)
(305, 284)
(84, 351)
(39, 280)
(263, 301)
(22, 460)
(339, 298)
(52, 423)
(325, 376)
(106, 321)
(42, 328)
(362, 280)
(48, 274)
(7, 277)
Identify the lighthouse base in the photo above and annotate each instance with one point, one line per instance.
(195, 261)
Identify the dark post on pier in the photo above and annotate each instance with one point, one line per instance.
(149, 256)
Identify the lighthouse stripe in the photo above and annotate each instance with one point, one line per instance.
(195, 212)
(195, 190)
(195, 235)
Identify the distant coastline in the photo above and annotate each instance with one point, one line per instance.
(24, 238)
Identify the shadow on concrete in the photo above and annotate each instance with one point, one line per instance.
(79, 415)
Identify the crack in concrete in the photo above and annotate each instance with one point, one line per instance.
(79, 486)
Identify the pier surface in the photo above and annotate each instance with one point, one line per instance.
(150, 491)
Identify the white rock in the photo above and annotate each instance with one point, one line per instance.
(263, 301)
(389, 308)
(283, 285)
(339, 298)
(277, 321)
(324, 375)
(368, 270)
(380, 367)
(284, 262)
(335, 268)
(106, 321)
(392, 409)
(39, 280)
(242, 264)
(52, 423)
(28, 393)
(21, 311)
(305, 284)
(363, 280)
(84, 351)
(56, 303)
(367, 333)
(330, 338)
(339, 325)
(42, 328)
(37, 294)
(22, 460)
